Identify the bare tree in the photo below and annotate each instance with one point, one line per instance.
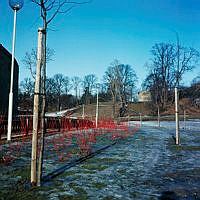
(121, 80)
(67, 84)
(168, 65)
(88, 84)
(59, 85)
(185, 60)
(126, 81)
(50, 93)
(50, 86)
(30, 59)
(152, 83)
(26, 93)
(193, 91)
(89, 81)
(76, 81)
(27, 86)
(161, 76)
(111, 82)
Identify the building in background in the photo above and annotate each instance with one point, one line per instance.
(144, 96)
(5, 72)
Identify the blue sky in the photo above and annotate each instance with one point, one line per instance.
(91, 36)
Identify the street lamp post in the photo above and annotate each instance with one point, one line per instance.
(15, 5)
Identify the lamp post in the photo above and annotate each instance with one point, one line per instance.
(15, 5)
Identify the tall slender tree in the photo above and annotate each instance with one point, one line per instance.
(49, 9)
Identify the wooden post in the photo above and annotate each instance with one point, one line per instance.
(177, 116)
(59, 124)
(158, 116)
(27, 125)
(128, 120)
(97, 108)
(36, 110)
(43, 110)
(140, 119)
(184, 120)
(83, 114)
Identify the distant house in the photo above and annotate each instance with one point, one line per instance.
(5, 71)
(144, 96)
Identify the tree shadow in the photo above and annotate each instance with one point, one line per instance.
(169, 195)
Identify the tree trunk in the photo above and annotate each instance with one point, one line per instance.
(113, 106)
(36, 111)
(43, 131)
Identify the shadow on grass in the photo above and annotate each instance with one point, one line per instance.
(57, 172)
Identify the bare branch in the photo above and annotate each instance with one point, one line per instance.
(36, 2)
(30, 60)
(51, 5)
(56, 6)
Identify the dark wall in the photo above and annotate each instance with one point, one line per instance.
(5, 71)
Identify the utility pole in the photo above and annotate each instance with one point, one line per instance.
(36, 109)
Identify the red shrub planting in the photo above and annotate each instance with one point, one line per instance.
(65, 139)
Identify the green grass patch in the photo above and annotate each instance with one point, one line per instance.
(190, 148)
(51, 186)
(94, 167)
(79, 190)
(73, 185)
(89, 172)
(121, 171)
(77, 177)
(99, 185)
(20, 193)
(103, 160)
(71, 197)
(70, 173)
(65, 197)
(109, 198)
(24, 174)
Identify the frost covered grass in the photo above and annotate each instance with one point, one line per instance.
(146, 165)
